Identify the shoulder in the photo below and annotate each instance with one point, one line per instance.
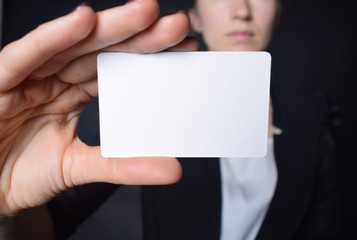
(296, 103)
(309, 123)
(310, 111)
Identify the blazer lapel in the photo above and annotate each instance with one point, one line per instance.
(204, 182)
(295, 154)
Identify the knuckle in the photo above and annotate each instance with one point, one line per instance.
(143, 15)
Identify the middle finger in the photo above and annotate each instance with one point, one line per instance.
(167, 32)
(113, 26)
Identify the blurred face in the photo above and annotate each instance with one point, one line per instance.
(240, 25)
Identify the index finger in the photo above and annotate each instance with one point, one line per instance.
(113, 26)
(20, 58)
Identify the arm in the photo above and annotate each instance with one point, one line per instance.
(323, 219)
(43, 94)
(322, 222)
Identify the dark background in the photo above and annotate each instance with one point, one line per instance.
(314, 49)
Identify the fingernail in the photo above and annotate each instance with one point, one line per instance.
(183, 12)
(80, 6)
(176, 12)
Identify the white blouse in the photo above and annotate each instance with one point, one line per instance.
(248, 185)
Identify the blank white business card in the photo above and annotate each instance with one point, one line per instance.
(184, 104)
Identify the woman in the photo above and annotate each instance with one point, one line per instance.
(289, 194)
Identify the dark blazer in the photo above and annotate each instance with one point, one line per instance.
(304, 205)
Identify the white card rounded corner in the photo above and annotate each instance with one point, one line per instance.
(161, 80)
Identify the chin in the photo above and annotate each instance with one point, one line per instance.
(244, 47)
(249, 46)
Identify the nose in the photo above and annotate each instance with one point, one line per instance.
(241, 10)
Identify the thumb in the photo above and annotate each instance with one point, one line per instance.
(85, 164)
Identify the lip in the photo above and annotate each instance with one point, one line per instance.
(240, 36)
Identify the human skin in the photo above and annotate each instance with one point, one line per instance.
(47, 77)
(234, 25)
